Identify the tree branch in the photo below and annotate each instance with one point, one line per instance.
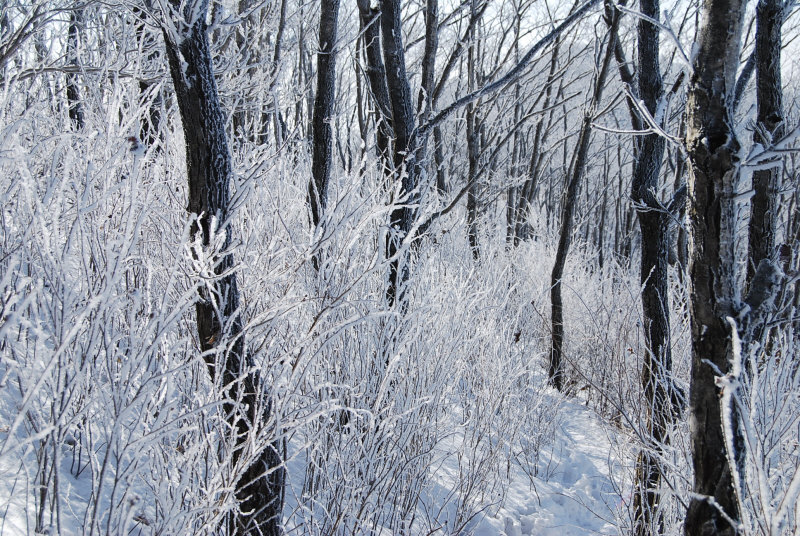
(510, 76)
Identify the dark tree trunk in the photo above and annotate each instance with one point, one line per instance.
(219, 324)
(376, 76)
(712, 147)
(438, 159)
(473, 145)
(278, 122)
(425, 97)
(654, 223)
(405, 149)
(514, 168)
(769, 96)
(73, 93)
(323, 111)
(556, 368)
(473, 156)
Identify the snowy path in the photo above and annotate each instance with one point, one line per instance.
(574, 494)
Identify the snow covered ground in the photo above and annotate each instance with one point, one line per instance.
(576, 491)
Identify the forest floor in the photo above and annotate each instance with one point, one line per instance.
(580, 486)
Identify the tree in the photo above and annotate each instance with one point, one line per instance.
(369, 20)
(259, 489)
(769, 118)
(575, 175)
(654, 223)
(323, 111)
(406, 144)
(73, 93)
(712, 148)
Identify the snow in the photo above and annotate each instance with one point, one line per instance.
(575, 494)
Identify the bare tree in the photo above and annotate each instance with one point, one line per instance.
(654, 222)
(712, 148)
(769, 96)
(405, 148)
(369, 19)
(259, 489)
(323, 110)
(73, 93)
(576, 171)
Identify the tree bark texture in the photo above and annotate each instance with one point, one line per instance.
(376, 76)
(425, 98)
(769, 96)
(323, 111)
(405, 149)
(75, 107)
(219, 324)
(473, 156)
(577, 167)
(712, 148)
(654, 223)
(427, 84)
(473, 133)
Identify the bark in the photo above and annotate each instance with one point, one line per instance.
(556, 368)
(73, 93)
(323, 111)
(438, 158)
(376, 76)
(425, 98)
(654, 223)
(473, 156)
(769, 96)
(259, 490)
(712, 148)
(473, 147)
(514, 168)
(405, 150)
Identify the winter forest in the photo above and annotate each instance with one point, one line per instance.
(384, 267)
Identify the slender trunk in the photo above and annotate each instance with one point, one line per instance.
(425, 97)
(405, 150)
(513, 172)
(259, 489)
(473, 151)
(601, 231)
(376, 76)
(764, 208)
(556, 368)
(712, 147)
(438, 159)
(473, 147)
(654, 224)
(75, 107)
(323, 111)
(278, 123)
